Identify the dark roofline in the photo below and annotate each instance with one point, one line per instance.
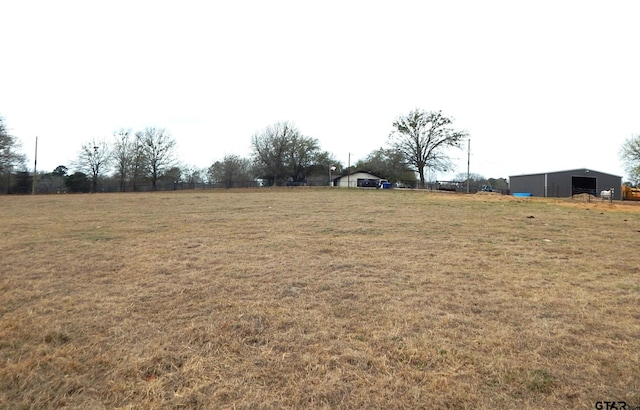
(362, 171)
(582, 170)
(357, 172)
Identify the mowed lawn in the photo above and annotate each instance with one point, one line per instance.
(317, 298)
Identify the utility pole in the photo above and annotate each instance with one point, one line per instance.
(35, 169)
(331, 168)
(9, 179)
(468, 162)
(349, 170)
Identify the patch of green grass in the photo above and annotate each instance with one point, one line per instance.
(540, 380)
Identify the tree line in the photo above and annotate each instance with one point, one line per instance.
(280, 155)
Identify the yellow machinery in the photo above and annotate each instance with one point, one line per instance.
(631, 194)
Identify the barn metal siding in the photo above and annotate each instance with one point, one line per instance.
(606, 181)
(534, 184)
(559, 184)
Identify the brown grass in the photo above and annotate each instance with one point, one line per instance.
(321, 298)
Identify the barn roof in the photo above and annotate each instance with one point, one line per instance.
(578, 170)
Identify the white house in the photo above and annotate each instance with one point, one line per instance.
(361, 179)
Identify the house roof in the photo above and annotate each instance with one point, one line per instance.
(362, 171)
(358, 172)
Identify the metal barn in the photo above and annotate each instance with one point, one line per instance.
(566, 183)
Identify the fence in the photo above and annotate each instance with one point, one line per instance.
(24, 185)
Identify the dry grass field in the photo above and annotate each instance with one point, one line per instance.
(317, 298)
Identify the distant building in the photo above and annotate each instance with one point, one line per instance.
(362, 179)
(566, 183)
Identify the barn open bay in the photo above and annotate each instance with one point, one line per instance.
(334, 298)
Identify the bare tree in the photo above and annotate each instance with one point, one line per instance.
(232, 171)
(193, 176)
(390, 164)
(301, 157)
(281, 152)
(158, 148)
(123, 155)
(93, 159)
(320, 170)
(270, 150)
(138, 165)
(9, 147)
(421, 137)
(630, 155)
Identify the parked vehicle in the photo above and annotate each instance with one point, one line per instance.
(384, 184)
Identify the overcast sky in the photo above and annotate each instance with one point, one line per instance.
(539, 85)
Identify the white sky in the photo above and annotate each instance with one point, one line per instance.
(539, 85)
